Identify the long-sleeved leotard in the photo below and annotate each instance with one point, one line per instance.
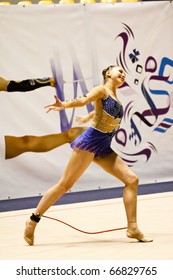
(97, 138)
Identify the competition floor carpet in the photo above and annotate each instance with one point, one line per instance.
(56, 241)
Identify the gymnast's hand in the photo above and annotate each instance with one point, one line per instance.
(85, 119)
(80, 120)
(57, 106)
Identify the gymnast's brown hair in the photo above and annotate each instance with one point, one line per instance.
(104, 72)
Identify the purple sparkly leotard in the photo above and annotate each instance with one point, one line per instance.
(97, 138)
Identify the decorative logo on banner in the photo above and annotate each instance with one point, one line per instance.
(155, 93)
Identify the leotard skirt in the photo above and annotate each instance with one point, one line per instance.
(94, 141)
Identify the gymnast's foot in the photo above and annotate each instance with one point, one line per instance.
(134, 232)
(30, 228)
(29, 232)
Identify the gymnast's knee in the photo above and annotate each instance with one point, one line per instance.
(65, 184)
(29, 142)
(27, 139)
(133, 181)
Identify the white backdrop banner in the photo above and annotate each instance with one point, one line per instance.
(79, 41)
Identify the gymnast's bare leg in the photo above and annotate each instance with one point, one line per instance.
(25, 85)
(76, 166)
(114, 165)
(78, 163)
(14, 146)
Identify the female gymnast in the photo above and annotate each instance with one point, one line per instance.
(94, 145)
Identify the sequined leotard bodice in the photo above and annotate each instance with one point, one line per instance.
(109, 113)
(97, 138)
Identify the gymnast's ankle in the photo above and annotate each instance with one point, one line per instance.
(30, 228)
(134, 232)
(35, 217)
(132, 225)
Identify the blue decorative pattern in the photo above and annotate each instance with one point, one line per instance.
(112, 107)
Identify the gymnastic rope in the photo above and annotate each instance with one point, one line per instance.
(86, 232)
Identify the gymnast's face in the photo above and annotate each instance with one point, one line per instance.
(118, 75)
